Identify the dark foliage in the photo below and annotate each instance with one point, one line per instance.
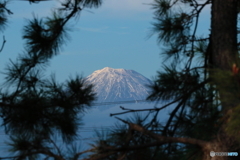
(34, 108)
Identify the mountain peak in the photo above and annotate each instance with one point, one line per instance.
(113, 85)
(108, 69)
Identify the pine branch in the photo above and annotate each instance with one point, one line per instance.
(159, 140)
(47, 153)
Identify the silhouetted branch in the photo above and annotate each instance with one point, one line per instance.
(3, 43)
(159, 140)
(172, 102)
(48, 153)
(195, 30)
(86, 151)
(57, 148)
(4, 7)
(142, 110)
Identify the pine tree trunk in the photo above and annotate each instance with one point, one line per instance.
(224, 55)
(224, 33)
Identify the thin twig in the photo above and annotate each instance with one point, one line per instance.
(3, 43)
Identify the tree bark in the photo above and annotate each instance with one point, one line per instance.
(224, 47)
(224, 33)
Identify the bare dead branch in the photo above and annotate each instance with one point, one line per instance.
(163, 139)
(158, 109)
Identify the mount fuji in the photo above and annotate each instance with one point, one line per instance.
(116, 85)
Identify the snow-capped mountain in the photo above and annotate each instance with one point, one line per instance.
(114, 85)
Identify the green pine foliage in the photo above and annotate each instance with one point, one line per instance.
(120, 136)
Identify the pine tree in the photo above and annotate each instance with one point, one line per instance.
(35, 109)
(205, 94)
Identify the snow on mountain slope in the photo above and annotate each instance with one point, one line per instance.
(113, 85)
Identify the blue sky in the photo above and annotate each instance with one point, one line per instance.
(115, 35)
